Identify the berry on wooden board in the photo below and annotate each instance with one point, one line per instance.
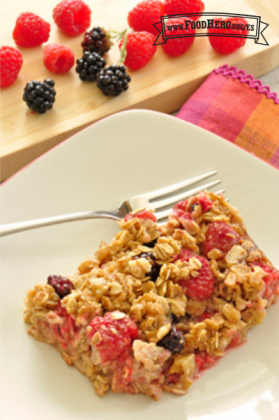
(145, 14)
(72, 17)
(39, 96)
(182, 7)
(230, 26)
(30, 30)
(140, 49)
(10, 65)
(97, 40)
(113, 80)
(178, 46)
(58, 58)
(89, 66)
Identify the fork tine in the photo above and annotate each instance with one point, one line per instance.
(172, 188)
(175, 199)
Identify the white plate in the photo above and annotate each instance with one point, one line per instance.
(123, 155)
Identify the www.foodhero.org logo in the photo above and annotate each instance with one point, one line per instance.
(254, 27)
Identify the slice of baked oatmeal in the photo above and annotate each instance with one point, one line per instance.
(159, 303)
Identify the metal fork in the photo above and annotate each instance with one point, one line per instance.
(153, 200)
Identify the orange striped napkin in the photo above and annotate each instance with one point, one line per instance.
(233, 105)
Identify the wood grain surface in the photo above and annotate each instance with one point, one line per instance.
(163, 85)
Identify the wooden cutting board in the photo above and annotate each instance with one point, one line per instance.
(163, 85)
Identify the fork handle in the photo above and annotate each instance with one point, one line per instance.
(11, 228)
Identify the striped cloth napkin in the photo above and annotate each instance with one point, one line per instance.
(239, 108)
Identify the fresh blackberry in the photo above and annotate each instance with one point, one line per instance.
(39, 96)
(173, 341)
(96, 40)
(155, 268)
(113, 80)
(61, 285)
(89, 65)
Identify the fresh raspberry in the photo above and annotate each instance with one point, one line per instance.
(58, 58)
(145, 14)
(226, 44)
(140, 49)
(72, 17)
(30, 30)
(10, 65)
(116, 336)
(271, 279)
(200, 287)
(61, 285)
(219, 235)
(141, 215)
(178, 46)
(182, 7)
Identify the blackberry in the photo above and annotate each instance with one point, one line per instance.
(89, 65)
(155, 268)
(152, 243)
(61, 285)
(96, 40)
(113, 80)
(39, 96)
(173, 341)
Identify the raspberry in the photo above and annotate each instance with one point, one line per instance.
(141, 215)
(145, 14)
(72, 16)
(96, 40)
(58, 58)
(61, 285)
(225, 44)
(200, 287)
(205, 203)
(65, 331)
(140, 49)
(173, 341)
(10, 65)
(116, 336)
(182, 7)
(181, 205)
(219, 235)
(178, 46)
(204, 360)
(271, 279)
(30, 30)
